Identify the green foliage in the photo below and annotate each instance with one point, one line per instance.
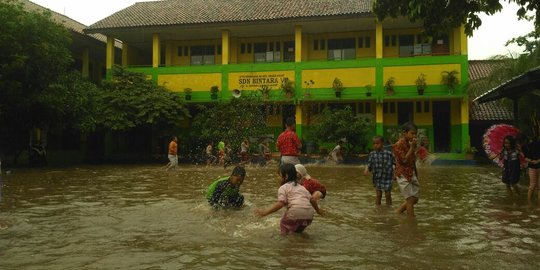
(214, 89)
(450, 79)
(229, 122)
(334, 125)
(287, 86)
(421, 81)
(389, 85)
(34, 53)
(130, 100)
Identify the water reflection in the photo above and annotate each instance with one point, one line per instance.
(143, 217)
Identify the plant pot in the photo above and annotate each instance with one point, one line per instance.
(213, 96)
(420, 91)
(188, 97)
(288, 94)
(368, 94)
(390, 92)
(338, 94)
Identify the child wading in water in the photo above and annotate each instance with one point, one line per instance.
(300, 209)
(381, 164)
(510, 156)
(406, 174)
(225, 192)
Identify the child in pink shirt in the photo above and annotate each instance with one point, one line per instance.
(300, 209)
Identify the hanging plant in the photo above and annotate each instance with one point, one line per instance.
(214, 91)
(338, 87)
(421, 83)
(389, 86)
(187, 93)
(287, 87)
(451, 80)
(369, 88)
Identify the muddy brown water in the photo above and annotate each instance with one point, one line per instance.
(141, 217)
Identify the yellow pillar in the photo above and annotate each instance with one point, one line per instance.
(465, 138)
(463, 39)
(298, 118)
(155, 50)
(110, 53)
(379, 120)
(125, 49)
(224, 47)
(378, 39)
(298, 43)
(85, 63)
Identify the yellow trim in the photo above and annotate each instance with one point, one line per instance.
(379, 118)
(197, 82)
(85, 63)
(407, 75)
(298, 115)
(298, 43)
(110, 52)
(155, 50)
(351, 77)
(125, 49)
(465, 111)
(378, 39)
(225, 47)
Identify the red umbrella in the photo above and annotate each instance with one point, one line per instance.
(494, 139)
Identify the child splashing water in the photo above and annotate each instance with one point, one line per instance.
(300, 209)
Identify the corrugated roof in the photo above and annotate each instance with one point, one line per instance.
(67, 22)
(489, 111)
(188, 12)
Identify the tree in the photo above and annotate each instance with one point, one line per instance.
(34, 53)
(130, 100)
(440, 16)
(338, 124)
(230, 122)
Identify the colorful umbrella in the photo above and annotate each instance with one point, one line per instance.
(494, 139)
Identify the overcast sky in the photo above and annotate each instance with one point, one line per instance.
(487, 41)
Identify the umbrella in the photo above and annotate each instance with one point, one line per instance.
(494, 138)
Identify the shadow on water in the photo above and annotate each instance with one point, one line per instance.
(143, 217)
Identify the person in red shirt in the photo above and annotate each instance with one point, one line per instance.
(406, 174)
(315, 188)
(289, 144)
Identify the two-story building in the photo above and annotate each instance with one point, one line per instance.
(243, 46)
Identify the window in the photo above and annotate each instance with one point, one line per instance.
(385, 107)
(202, 55)
(392, 107)
(186, 51)
(219, 49)
(180, 50)
(368, 107)
(360, 42)
(242, 48)
(249, 48)
(288, 51)
(406, 45)
(367, 42)
(341, 49)
(360, 107)
(316, 45)
(386, 41)
(394, 42)
(264, 52)
(418, 107)
(323, 44)
(426, 106)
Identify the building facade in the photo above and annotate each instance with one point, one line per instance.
(246, 47)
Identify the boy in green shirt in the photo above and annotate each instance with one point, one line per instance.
(225, 192)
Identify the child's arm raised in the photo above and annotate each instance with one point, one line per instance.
(263, 212)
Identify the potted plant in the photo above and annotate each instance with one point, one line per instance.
(308, 84)
(338, 87)
(214, 91)
(287, 87)
(187, 93)
(421, 84)
(451, 80)
(389, 86)
(369, 87)
(265, 91)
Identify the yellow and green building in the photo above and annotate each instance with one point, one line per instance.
(249, 45)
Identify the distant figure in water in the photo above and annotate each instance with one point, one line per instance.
(422, 153)
(225, 192)
(297, 200)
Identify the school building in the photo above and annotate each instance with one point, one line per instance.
(244, 47)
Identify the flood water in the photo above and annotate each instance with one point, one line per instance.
(141, 217)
